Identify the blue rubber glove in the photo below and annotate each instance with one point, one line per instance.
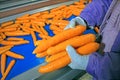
(76, 21)
(77, 61)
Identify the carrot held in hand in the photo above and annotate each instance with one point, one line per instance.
(88, 48)
(66, 34)
(75, 42)
(3, 63)
(11, 64)
(54, 65)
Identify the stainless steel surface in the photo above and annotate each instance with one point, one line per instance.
(12, 4)
(35, 11)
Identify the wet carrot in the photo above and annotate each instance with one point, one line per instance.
(38, 42)
(8, 69)
(66, 34)
(16, 33)
(3, 35)
(44, 36)
(6, 42)
(5, 48)
(54, 65)
(14, 55)
(43, 30)
(3, 63)
(14, 39)
(75, 42)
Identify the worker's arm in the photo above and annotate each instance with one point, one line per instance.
(92, 15)
(106, 66)
(94, 12)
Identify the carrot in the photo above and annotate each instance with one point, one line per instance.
(54, 27)
(38, 42)
(11, 64)
(75, 42)
(5, 48)
(56, 56)
(88, 48)
(5, 42)
(44, 36)
(40, 55)
(8, 29)
(54, 65)
(22, 21)
(3, 63)
(14, 39)
(16, 33)
(33, 37)
(14, 55)
(43, 30)
(66, 34)
(6, 23)
(96, 29)
(3, 35)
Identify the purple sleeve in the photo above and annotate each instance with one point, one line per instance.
(94, 12)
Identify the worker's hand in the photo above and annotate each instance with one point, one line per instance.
(77, 61)
(74, 22)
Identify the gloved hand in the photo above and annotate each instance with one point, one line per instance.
(77, 61)
(76, 21)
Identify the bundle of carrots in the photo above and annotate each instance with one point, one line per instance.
(54, 48)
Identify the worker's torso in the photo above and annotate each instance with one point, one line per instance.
(110, 27)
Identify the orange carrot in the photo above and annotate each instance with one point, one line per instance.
(75, 42)
(5, 48)
(66, 34)
(8, 29)
(54, 65)
(43, 30)
(96, 29)
(11, 64)
(3, 63)
(40, 55)
(5, 42)
(14, 55)
(6, 23)
(38, 42)
(56, 56)
(16, 33)
(14, 39)
(44, 36)
(88, 48)
(3, 35)
(33, 37)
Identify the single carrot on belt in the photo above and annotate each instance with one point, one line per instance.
(11, 64)
(66, 34)
(3, 63)
(16, 33)
(54, 65)
(7, 42)
(14, 55)
(33, 37)
(75, 42)
(5, 48)
(6, 23)
(14, 39)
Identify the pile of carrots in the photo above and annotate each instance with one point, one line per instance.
(30, 24)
